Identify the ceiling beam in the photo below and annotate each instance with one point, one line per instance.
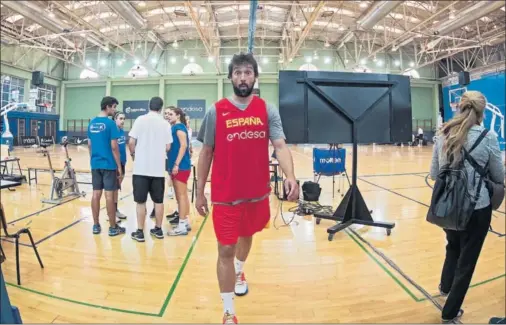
(203, 38)
(305, 32)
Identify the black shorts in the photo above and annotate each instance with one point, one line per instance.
(104, 179)
(123, 171)
(143, 185)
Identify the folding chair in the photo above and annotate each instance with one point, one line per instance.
(16, 236)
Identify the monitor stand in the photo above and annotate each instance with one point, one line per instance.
(352, 209)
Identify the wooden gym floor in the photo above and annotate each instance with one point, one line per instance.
(295, 274)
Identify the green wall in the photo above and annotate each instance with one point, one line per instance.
(83, 102)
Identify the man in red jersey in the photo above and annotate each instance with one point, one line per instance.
(235, 134)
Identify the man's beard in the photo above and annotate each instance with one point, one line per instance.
(243, 91)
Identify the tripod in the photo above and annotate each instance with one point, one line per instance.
(66, 182)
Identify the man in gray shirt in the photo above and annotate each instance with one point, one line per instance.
(234, 135)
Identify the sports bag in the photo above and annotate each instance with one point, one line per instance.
(452, 205)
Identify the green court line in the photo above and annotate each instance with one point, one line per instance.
(406, 289)
(181, 269)
(165, 304)
(401, 284)
(80, 302)
(476, 284)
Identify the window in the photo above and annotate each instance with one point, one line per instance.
(13, 89)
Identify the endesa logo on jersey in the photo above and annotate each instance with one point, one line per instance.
(244, 135)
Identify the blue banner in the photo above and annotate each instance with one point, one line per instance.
(194, 108)
(135, 108)
(492, 87)
(329, 161)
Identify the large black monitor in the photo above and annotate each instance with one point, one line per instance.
(344, 107)
(379, 103)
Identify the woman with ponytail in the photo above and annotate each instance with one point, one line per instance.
(179, 168)
(463, 247)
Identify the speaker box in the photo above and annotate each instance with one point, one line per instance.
(37, 78)
(464, 78)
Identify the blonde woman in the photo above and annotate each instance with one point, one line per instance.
(463, 247)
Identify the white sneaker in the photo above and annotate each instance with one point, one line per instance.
(241, 286)
(170, 193)
(180, 230)
(120, 215)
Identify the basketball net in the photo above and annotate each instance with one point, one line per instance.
(48, 106)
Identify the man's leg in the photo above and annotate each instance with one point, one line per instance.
(110, 187)
(156, 190)
(256, 215)
(119, 215)
(140, 186)
(98, 185)
(226, 227)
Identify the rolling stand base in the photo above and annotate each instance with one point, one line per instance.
(344, 215)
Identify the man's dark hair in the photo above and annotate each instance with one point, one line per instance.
(108, 101)
(242, 59)
(156, 104)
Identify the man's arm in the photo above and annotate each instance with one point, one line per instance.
(169, 138)
(203, 167)
(115, 153)
(131, 146)
(89, 146)
(284, 156)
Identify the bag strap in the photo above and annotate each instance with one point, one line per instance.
(467, 154)
(478, 141)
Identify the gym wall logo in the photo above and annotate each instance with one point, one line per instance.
(97, 127)
(194, 108)
(135, 108)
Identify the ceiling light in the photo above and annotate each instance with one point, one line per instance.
(341, 27)
(363, 61)
(172, 60)
(397, 63)
(103, 62)
(88, 63)
(327, 44)
(175, 44)
(452, 15)
(412, 64)
(137, 61)
(265, 60)
(210, 59)
(153, 60)
(363, 4)
(346, 61)
(309, 59)
(141, 4)
(119, 62)
(327, 60)
(228, 60)
(51, 14)
(379, 63)
(191, 59)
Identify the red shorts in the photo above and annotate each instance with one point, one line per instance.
(241, 220)
(181, 176)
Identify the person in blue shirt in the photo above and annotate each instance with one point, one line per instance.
(179, 168)
(105, 164)
(119, 118)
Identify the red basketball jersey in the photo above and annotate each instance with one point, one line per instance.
(241, 152)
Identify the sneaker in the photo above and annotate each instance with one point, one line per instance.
(157, 232)
(152, 215)
(114, 231)
(170, 193)
(229, 319)
(138, 235)
(120, 215)
(453, 320)
(180, 230)
(442, 293)
(173, 218)
(97, 229)
(241, 286)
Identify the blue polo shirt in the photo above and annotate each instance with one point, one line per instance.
(101, 131)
